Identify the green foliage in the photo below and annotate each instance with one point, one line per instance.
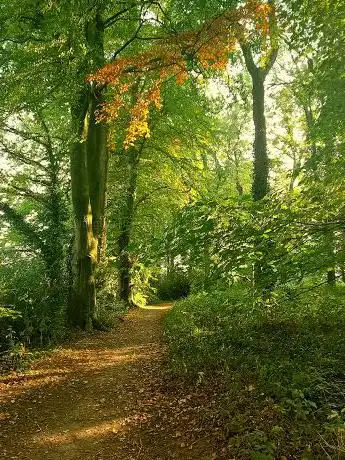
(285, 359)
(142, 279)
(289, 239)
(34, 309)
(109, 307)
(173, 285)
(179, 207)
(34, 208)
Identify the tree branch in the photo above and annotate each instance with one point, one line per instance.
(128, 42)
(248, 57)
(29, 194)
(22, 226)
(270, 62)
(25, 135)
(112, 19)
(147, 195)
(22, 158)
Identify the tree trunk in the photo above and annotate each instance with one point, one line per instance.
(331, 277)
(89, 161)
(97, 168)
(260, 186)
(263, 276)
(125, 225)
(83, 302)
(331, 247)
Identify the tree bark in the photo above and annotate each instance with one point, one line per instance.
(83, 302)
(89, 160)
(331, 247)
(131, 159)
(258, 75)
(263, 276)
(260, 187)
(97, 168)
(331, 277)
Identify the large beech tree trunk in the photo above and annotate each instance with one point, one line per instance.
(97, 162)
(83, 302)
(88, 159)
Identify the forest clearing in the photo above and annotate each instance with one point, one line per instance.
(172, 229)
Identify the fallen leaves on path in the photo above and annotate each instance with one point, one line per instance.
(108, 397)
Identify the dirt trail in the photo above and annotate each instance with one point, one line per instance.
(107, 396)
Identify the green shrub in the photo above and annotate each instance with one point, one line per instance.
(286, 355)
(110, 309)
(38, 309)
(173, 285)
(142, 279)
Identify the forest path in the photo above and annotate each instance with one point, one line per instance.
(107, 396)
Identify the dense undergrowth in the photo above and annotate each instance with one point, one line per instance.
(280, 365)
(32, 315)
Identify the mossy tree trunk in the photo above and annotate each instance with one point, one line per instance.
(88, 160)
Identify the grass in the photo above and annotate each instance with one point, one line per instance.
(281, 368)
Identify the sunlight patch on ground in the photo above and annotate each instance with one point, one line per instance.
(71, 435)
(163, 306)
(74, 361)
(96, 358)
(16, 385)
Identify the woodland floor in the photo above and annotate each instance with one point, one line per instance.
(107, 396)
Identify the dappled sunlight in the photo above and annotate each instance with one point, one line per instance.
(107, 357)
(103, 398)
(100, 429)
(34, 375)
(80, 360)
(4, 416)
(15, 385)
(162, 306)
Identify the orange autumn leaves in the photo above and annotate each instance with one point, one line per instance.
(207, 47)
(139, 123)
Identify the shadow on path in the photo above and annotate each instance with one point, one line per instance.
(107, 396)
